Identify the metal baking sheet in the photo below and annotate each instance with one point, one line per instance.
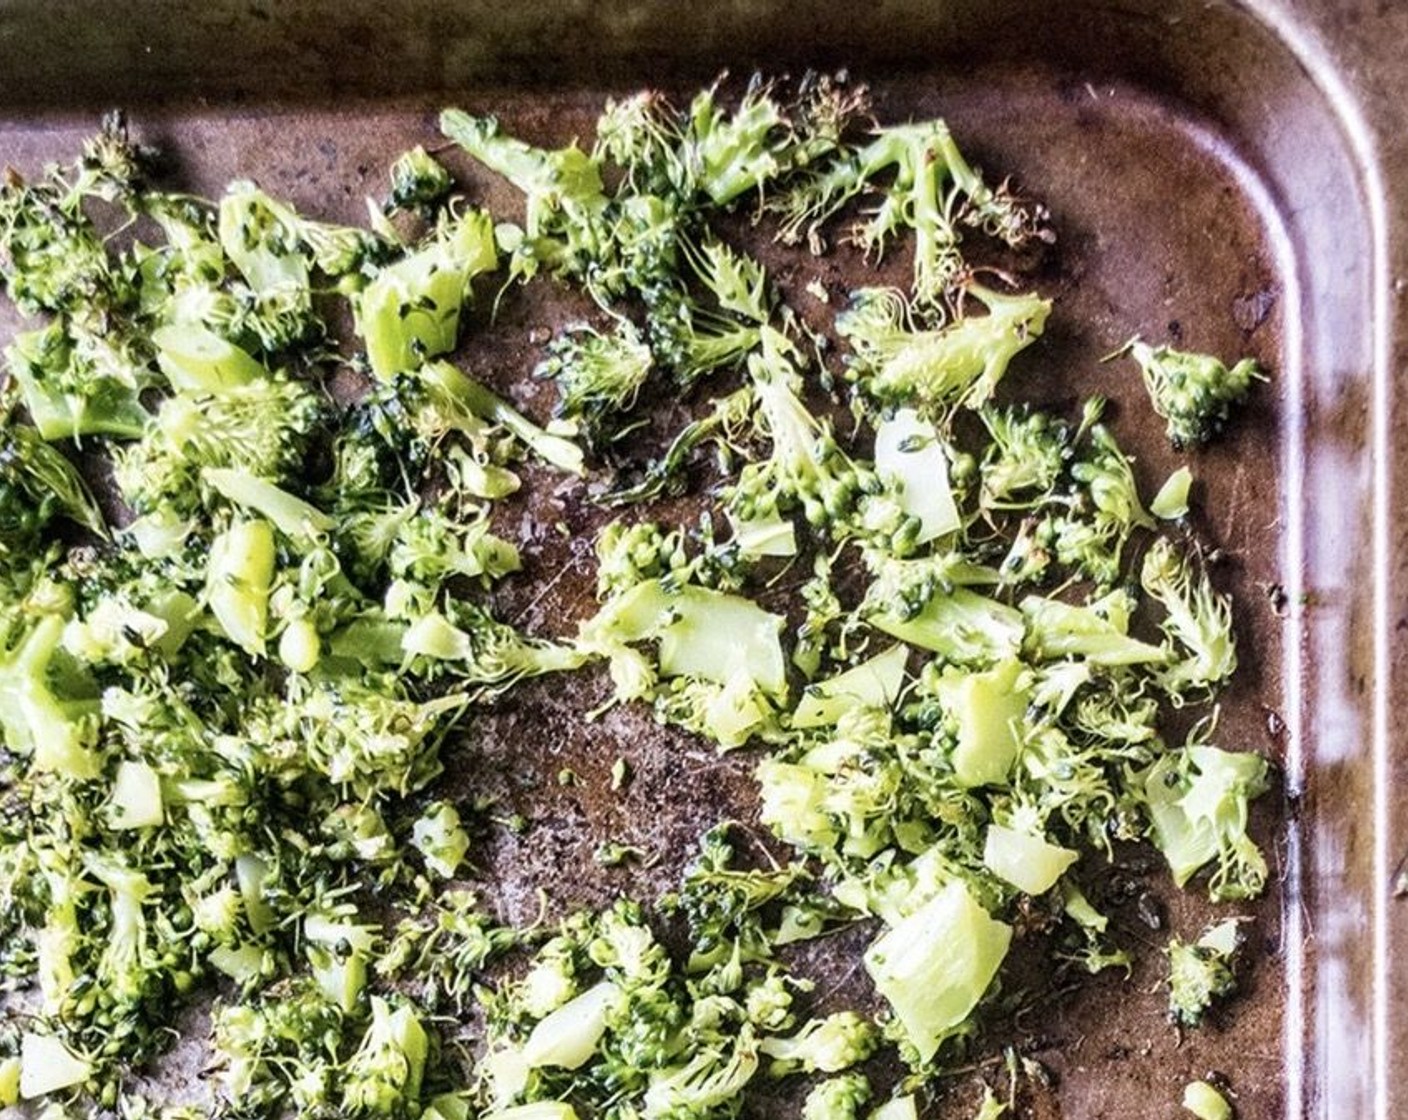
(1219, 176)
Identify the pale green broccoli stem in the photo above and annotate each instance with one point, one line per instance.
(135, 801)
(990, 710)
(410, 310)
(899, 1108)
(455, 390)
(441, 839)
(125, 962)
(293, 517)
(874, 683)
(1030, 863)
(256, 242)
(197, 360)
(1206, 1102)
(53, 732)
(47, 1066)
(935, 965)
(238, 579)
(1171, 502)
(65, 400)
(1096, 633)
(338, 950)
(959, 624)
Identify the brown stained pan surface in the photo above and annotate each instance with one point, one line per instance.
(1157, 234)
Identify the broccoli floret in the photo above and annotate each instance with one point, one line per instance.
(76, 383)
(1201, 973)
(827, 1045)
(410, 309)
(565, 227)
(838, 1098)
(1198, 620)
(896, 361)
(597, 375)
(37, 484)
(1198, 799)
(383, 1078)
(806, 467)
(418, 182)
(1193, 392)
(1025, 460)
(932, 190)
(57, 732)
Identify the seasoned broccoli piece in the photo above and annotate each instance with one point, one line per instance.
(38, 484)
(598, 375)
(1200, 973)
(77, 383)
(1198, 620)
(932, 190)
(418, 182)
(827, 1045)
(838, 1098)
(1193, 392)
(896, 361)
(1198, 799)
(935, 965)
(1206, 1102)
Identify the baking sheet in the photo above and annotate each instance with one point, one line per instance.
(1174, 217)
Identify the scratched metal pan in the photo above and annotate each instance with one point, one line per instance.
(1225, 176)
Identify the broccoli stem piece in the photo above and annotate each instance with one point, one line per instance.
(934, 966)
(55, 733)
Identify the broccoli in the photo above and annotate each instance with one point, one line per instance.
(1198, 619)
(935, 965)
(896, 361)
(598, 375)
(1200, 973)
(1194, 393)
(839, 1098)
(1206, 1102)
(1197, 798)
(933, 191)
(418, 182)
(828, 1045)
(38, 484)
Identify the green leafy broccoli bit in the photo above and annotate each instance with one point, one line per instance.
(1200, 973)
(1193, 392)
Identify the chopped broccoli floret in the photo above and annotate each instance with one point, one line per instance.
(1200, 973)
(1193, 392)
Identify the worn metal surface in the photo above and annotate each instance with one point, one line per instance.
(1208, 187)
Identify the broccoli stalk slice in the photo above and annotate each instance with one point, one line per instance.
(293, 517)
(54, 732)
(197, 360)
(410, 310)
(989, 710)
(935, 965)
(874, 683)
(958, 624)
(1030, 863)
(960, 363)
(1097, 632)
(48, 1066)
(455, 391)
(238, 579)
